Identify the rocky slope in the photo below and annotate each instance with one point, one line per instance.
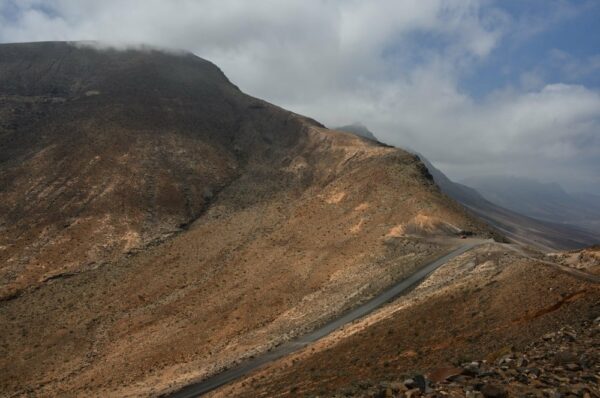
(587, 259)
(492, 317)
(157, 224)
(561, 363)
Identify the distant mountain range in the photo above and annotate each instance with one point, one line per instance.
(544, 234)
(544, 201)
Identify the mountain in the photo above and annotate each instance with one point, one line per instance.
(587, 198)
(590, 201)
(158, 225)
(545, 235)
(358, 129)
(547, 202)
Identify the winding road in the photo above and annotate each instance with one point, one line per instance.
(219, 379)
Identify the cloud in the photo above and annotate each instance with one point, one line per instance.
(394, 65)
(574, 67)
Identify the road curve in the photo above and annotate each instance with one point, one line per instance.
(219, 379)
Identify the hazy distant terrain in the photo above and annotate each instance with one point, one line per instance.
(546, 235)
(538, 200)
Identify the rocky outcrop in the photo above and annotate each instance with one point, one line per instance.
(564, 363)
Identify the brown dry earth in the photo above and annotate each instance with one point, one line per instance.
(563, 363)
(156, 224)
(587, 259)
(485, 304)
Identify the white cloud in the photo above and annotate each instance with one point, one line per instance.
(394, 65)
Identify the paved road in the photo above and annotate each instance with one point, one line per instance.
(202, 387)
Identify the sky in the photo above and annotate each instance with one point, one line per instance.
(480, 87)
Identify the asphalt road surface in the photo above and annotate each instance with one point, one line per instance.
(219, 379)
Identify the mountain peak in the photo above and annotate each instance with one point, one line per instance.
(70, 69)
(359, 129)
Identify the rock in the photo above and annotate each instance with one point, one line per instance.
(415, 392)
(552, 393)
(389, 393)
(493, 391)
(578, 389)
(572, 367)
(564, 389)
(570, 336)
(473, 394)
(534, 372)
(521, 378)
(564, 357)
(549, 336)
(440, 375)
(561, 379)
(421, 383)
(522, 362)
(478, 386)
(512, 372)
(587, 361)
(506, 360)
(548, 380)
(590, 377)
(564, 367)
(397, 387)
(364, 384)
(471, 369)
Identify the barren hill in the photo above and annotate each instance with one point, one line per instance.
(493, 322)
(157, 224)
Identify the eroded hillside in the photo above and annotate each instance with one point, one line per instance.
(463, 329)
(158, 224)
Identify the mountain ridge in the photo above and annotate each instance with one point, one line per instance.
(523, 226)
(158, 224)
(544, 235)
(544, 201)
(358, 129)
